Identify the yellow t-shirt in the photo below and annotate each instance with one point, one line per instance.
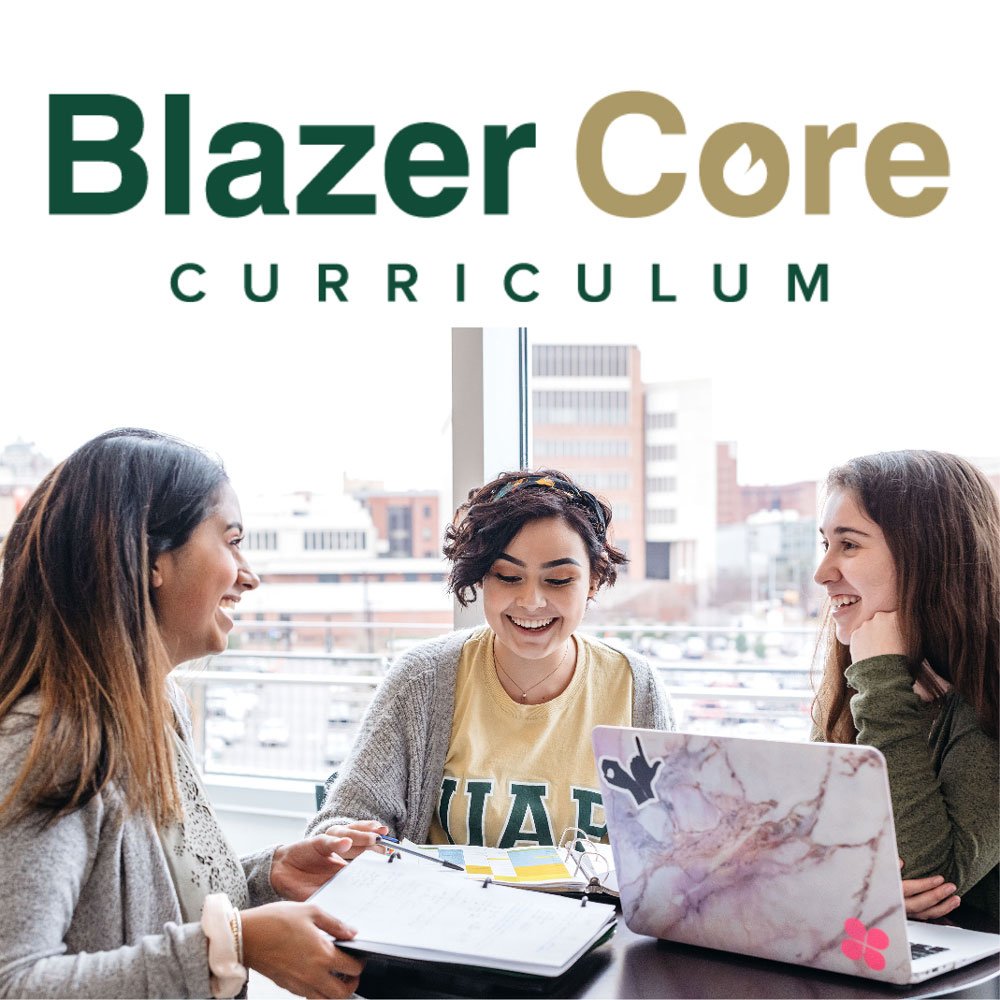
(521, 774)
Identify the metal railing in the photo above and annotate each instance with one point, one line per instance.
(293, 713)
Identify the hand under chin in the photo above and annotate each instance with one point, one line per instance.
(879, 636)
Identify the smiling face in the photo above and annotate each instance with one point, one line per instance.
(858, 571)
(536, 591)
(196, 586)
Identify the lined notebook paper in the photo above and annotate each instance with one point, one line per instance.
(410, 909)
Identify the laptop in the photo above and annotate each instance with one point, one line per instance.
(779, 850)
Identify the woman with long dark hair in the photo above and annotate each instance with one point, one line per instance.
(115, 879)
(483, 736)
(912, 661)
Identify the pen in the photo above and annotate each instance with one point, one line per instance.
(395, 846)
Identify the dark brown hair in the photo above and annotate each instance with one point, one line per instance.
(483, 527)
(77, 623)
(941, 521)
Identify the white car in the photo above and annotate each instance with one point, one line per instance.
(222, 728)
(273, 733)
(338, 746)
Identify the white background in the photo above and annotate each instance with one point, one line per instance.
(293, 392)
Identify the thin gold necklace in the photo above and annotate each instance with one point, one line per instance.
(524, 691)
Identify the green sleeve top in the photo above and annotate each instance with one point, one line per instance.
(943, 778)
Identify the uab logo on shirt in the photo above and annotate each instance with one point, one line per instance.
(528, 817)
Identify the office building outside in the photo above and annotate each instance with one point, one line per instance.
(587, 406)
(681, 460)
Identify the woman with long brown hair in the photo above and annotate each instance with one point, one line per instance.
(912, 661)
(115, 879)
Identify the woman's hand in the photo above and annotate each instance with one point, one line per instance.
(288, 943)
(362, 834)
(928, 898)
(879, 636)
(299, 869)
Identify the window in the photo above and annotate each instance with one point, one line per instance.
(557, 406)
(314, 541)
(581, 448)
(661, 484)
(587, 360)
(658, 421)
(400, 530)
(666, 515)
(661, 452)
(603, 480)
(261, 541)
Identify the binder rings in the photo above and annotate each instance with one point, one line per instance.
(404, 908)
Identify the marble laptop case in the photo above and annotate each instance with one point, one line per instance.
(784, 851)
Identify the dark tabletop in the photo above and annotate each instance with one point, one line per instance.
(631, 965)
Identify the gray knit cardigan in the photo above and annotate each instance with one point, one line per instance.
(87, 904)
(393, 772)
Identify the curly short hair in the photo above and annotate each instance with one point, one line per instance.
(484, 525)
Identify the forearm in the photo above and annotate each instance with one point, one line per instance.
(173, 963)
(363, 791)
(257, 868)
(940, 812)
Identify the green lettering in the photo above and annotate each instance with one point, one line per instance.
(717, 284)
(498, 148)
(272, 289)
(796, 278)
(337, 284)
(508, 283)
(400, 168)
(448, 789)
(405, 284)
(581, 284)
(175, 283)
(64, 151)
(478, 792)
(658, 296)
(527, 799)
(269, 164)
(316, 198)
(587, 800)
(177, 154)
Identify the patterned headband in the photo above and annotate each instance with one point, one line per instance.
(581, 497)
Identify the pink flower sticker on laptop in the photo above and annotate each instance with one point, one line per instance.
(864, 943)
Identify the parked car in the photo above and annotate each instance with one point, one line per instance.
(694, 647)
(341, 713)
(273, 733)
(229, 731)
(338, 745)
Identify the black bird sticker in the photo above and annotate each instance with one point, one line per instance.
(636, 779)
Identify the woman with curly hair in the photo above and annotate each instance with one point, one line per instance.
(483, 736)
(912, 576)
